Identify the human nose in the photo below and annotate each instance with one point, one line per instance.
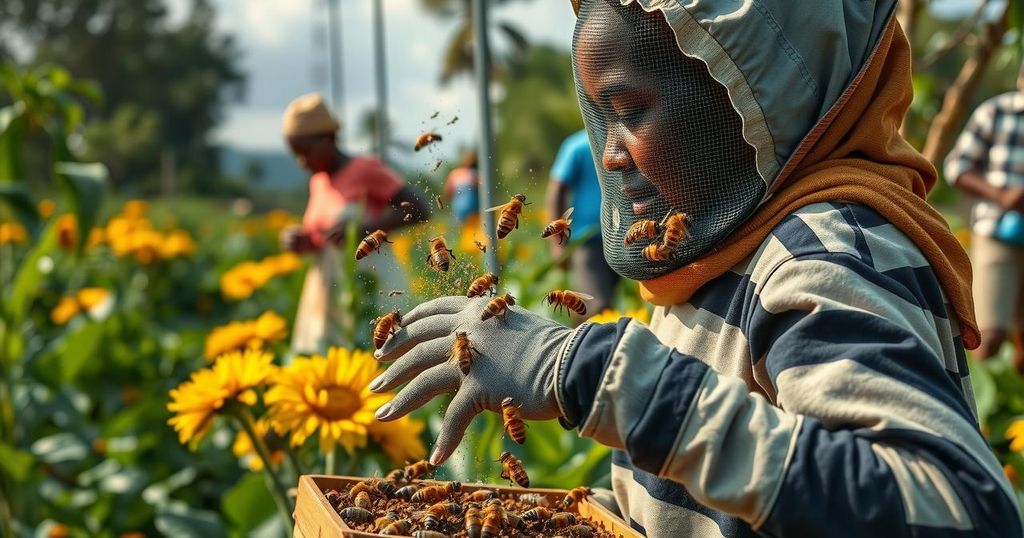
(616, 156)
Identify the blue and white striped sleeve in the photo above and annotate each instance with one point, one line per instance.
(972, 146)
(869, 432)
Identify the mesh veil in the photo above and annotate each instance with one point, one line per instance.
(664, 136)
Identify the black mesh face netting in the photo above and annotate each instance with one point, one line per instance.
(664, 135)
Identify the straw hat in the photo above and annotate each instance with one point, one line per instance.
(308, 115)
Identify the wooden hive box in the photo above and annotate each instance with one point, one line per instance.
(315, 518)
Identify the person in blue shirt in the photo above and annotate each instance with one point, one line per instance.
(574, 176)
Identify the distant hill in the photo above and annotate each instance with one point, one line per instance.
(278, 170)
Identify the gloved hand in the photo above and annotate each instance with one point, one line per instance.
(514, 357)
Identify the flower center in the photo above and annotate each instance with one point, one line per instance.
(342, 403)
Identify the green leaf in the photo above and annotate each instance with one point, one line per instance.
(78, 349)
(83, 185)
(247, 504)
(183, 521)
(30, 275)
(16, 196)
(985, 392)
(15, 463)
(13, 124)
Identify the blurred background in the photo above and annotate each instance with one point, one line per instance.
(145, 180)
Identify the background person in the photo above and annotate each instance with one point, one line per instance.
(988, 163)
(462, 189)
(574, 184)
(342, 189)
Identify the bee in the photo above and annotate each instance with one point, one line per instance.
(462, 352)
(395, 475)
(641, 229)
(509, 216)
(560, 520)
(398, 528)
(480, 246)
(363, 500)
(394, 293)
(366, 486)
(512, 469)
(535, 499)
(538, 515)
(515, 521)
(580, 531)
(576, 495)
(405, 203)
(453, 120)
(385, 520)
(482, 285)
(371, 243)
(559, 227)
(440, 256)
(429, 534)
(498, 306)
(385, 326)
(474, 523)
(418, 469)
(656, 252)
(571, 300)
(676, 225)
(333, 497)
(481, 495)
(437, 197)
(432, 516)
(437, 493)
(491, 526)
(434, 115)
(356, 514)
(426, 139)
(437, 164)
(512, 421)
(406, 492)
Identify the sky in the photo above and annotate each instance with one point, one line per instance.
(282, 43)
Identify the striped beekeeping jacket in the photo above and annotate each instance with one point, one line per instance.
(820, 388)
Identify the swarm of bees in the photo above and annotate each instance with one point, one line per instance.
(672, 229)
(435, 509)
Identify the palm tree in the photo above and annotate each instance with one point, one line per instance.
(457, 57)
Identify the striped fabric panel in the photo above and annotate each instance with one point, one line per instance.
(837, 317)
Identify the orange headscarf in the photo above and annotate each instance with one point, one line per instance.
(854, 154)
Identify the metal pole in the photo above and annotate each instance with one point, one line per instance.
(482, 68)
(336, 58)
(382, 81)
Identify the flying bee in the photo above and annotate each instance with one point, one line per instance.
(570, 300)
(406, 492)
(432, 516)
(512, 421)
(641, 229)
(481, 495)
(434, 115)
(356, 514)
(437, 493)
(453, 120)
(509, 216)
(474, 523)
(512, 469)
(560, 520)
(398, 528)
(576, 495)
(462, 352)
(676, 225)
(538, 515)
(498, 306)
(491, 526)
(393, 293)
(560, 227)
(371, 243)
(480, 246)
(428, 534)
(483, 284)
(426, 139)
(418, 469)
(535, 499)
(440, 256)
(656, 252)
(385, 326)
(437, 197)
(437, 164)
(363, 501)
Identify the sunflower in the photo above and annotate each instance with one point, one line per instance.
(244, 450)
(233, 378)
(327, 394)
(400, 439)
(1015, 433)
(269, 327)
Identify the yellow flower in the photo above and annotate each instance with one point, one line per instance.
(67, 231)
(234, 377)
(66, 309)
(278, 219)
(176, 244)
(242, 280)
(282, 264)
(269, 327)
(244, 450)
(400, 439)
(89, 298)
(96, 237)
(135, 209)
(146, 245)
(1015, 433)
(45, 207)
(12, 232)
(402, 247)
(329, 395)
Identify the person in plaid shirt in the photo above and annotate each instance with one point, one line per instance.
(988, 163)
